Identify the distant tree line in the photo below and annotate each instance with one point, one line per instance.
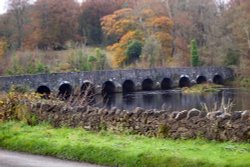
(148, 32)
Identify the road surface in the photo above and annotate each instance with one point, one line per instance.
(15, 159)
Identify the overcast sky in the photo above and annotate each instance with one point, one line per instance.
(3, 5)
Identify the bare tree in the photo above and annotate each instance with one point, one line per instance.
(18, 10)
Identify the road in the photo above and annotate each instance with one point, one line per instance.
(15, 159)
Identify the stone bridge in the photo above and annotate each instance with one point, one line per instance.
(107, 82)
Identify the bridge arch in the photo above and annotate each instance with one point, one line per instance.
(147, 84)
(166, 84)
(65, 90)
(201, 79)
(108, 88)
(87, 88)
(44, 90)
(184, 81)
(128, 86)
(218, 79)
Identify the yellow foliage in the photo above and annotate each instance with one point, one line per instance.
(119, 48)
(118, 23)
(162, 23)
(3, 47)
(123, 26)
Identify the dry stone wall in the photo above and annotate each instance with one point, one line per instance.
(217, 125)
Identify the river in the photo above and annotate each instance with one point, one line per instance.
(175, 100)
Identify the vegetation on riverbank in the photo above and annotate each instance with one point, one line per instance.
(201, 88)
(240, 82)
(106, 148)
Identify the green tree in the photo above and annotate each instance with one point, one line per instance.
(151, 51)
(195, 59)
(133, 51)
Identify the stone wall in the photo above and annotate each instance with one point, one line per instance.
(217, 125)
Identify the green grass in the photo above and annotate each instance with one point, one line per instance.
(106, 148)
(202, 88)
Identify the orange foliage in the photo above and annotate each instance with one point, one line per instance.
(118, 23)
(123, 24)
(118, 49)
(52, 23)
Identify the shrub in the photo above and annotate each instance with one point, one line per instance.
(15, 106)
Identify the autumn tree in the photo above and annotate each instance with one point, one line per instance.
(119, 25)
(53, 23)
(119, 49)
(91, 13)
(239, 28)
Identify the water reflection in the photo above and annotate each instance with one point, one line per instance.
(175, 100)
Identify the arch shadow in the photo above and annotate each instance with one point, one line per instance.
(166, 84)
(65, 90)
(128, 86)
(218, 79)
(87, 88)
(44, 91)
(184, 82)
(201, 79)
(108, 88)
(147, 84)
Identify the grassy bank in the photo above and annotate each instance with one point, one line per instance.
(202, 88)
(242, 82)
(120, 150)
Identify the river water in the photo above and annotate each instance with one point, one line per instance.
(175, 100)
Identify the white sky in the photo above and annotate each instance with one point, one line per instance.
(3, 5)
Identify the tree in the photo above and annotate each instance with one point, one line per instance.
(90, 18)
(54, 22)
(120, 27)
(151, 51)
(19, 11)
(232, 57)
(119, 49)
(133, 51)
(195, 60)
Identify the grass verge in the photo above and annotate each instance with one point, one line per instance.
(120, 150)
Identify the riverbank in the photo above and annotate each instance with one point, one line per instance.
(111, 149)
(202, 88)
(241, 82)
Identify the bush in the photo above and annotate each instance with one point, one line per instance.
(102, 62)
(27, 65)
(16, 106)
